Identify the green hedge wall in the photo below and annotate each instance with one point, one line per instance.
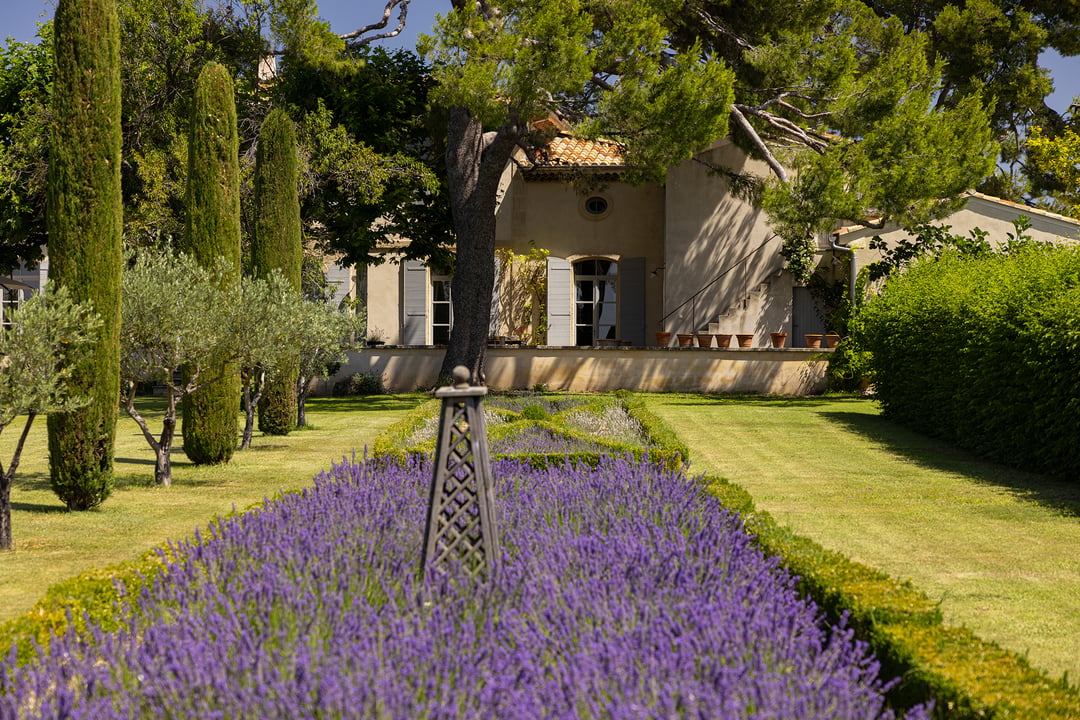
(983, 352)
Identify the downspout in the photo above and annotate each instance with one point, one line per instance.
(834, 243)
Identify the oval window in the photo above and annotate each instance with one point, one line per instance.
(596, 205)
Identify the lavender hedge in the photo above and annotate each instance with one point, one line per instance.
(624, 591)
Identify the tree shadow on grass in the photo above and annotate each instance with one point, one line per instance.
(355, 403)
(708, 400)
(39, 508)
(1060, 495)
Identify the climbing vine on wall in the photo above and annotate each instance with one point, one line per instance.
(523, 294)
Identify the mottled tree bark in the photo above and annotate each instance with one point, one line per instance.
(475, 161)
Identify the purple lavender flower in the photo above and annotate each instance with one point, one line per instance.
(624, 592)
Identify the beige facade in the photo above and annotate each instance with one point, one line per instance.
(686, 257)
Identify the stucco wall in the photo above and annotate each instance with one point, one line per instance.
(711, 236)
(762, 370)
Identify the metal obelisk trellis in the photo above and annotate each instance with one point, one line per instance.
(461, 509)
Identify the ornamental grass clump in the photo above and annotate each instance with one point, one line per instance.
(623, 591)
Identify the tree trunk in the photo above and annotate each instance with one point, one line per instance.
(302, 386)
(474, 163)
(6, 478)
(5, 509)
(163, 467)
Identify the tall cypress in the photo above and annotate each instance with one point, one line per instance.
(210, 415)
(278, 244)
(85, 221)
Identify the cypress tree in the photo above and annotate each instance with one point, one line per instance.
(210, 415)
(278, 244)
(85, 221)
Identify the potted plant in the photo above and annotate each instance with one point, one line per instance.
(813, 340)
(723, 340)
(704, 340)
(745, 339)
(778, 339)
(832, 340)
(685, 339)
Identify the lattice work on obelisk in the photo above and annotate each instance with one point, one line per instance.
(461, 514)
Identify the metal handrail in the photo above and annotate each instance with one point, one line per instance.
(693, 298)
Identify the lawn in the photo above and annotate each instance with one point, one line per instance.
(997, 547)
(52, 544)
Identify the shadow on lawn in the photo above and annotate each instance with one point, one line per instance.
(679, 399)
(1060, 495)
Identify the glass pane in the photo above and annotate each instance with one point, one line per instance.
(607, 332)
(585, 267)
(606, 313)
(440, 335)
(584, 313)
(584, 335)
(606, 267)
(584, 290)
(440, 291)
(440, 313)
(606, 291)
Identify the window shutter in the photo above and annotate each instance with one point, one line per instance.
(560, 302)
(414, 303)
(632, 300)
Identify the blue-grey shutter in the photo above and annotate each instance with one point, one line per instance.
(414, 303)
(560, 302)
(632, 300)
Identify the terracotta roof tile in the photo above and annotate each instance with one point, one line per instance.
(567, 151)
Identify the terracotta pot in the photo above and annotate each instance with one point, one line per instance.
(832, 340)
(704, 340)
(723, 341)
(685, 339)
(663, 339)
(778, 339)
(745, 339)
(813, 340)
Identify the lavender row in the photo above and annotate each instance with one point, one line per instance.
(624, 592)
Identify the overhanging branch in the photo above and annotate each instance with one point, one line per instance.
(360, 36)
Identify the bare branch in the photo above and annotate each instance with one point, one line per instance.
(755, 138)
(711, 23)
(810, 139)
(357, 37)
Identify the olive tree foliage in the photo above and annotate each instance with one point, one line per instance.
(606, 66)
(178, 313)
(326, 335)
(40, 344)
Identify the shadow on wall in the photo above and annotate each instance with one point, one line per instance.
(759, 370)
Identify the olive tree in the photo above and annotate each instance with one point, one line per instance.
(39, 350)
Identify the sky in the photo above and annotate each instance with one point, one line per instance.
(19, 18)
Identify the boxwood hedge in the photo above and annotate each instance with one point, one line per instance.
(985, 353)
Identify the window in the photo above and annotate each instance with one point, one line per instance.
(595, 309)
(9, 300)
(442, 311)
(596, 205)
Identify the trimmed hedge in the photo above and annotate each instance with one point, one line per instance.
(985, 353)
(966, 676)
(662, 444)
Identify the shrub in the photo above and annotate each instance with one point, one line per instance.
(361, 383)
(982, 352)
